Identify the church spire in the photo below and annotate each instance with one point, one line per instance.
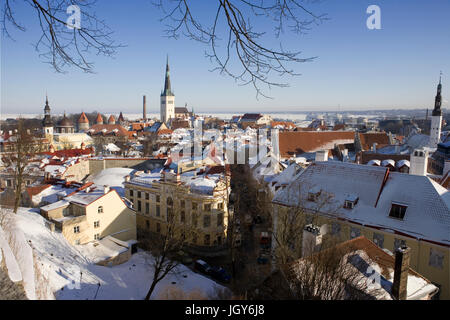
(438, 101)
(167, 87)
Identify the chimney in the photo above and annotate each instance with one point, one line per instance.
(374, 147)
(106, 189)
(127, 178)
(312, 238)
(144, 109)
(419, 162)
(322, 155)
(401, 270)
(446, 167)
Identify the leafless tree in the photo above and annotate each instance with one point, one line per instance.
(232, 39)
(165, 246)
(61, 44)
(24, 147)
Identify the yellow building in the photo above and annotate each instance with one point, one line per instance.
(198, 199)
(390, 208)
(92, 214)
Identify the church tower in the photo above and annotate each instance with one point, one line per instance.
(47, 122)
(167, 98)
(436, 118)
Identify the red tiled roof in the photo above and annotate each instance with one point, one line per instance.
(285, 124)
(32, 191)
(298, 142)
(368, 139)
(164, 131)
(111, 119)
(97, 128)
(70, 153)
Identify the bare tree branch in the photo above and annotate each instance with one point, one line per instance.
(232, 25)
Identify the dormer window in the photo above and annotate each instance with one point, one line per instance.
(314, 194)
(350, 201)
(398, 211)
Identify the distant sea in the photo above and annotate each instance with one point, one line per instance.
(151, 115)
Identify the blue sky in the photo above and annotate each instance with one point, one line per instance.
(357, 68)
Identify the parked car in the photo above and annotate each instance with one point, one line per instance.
(220, 274)
(202, 267)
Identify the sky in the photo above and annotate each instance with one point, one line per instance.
(356, 68)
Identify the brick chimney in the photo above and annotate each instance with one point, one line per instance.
(401, 271)
(321, 155)
(312, 239)
(144, 109)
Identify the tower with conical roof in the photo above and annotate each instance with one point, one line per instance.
(167, 98)
(83, 123)
(99, 119)
(47, 122)
(436, 117)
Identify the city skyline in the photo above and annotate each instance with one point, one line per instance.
(396, 67)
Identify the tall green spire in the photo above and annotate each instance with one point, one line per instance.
(167, 88)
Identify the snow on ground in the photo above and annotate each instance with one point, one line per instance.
(10, 260)
(113, 177)
(63, 265)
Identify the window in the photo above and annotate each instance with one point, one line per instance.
(131, 193)
(96, 224)
(313, 195)
(158, 211)
(97, 236)
(147, 224)
(147, 196)
(194, 219)
(182, 204)
(335, 229)
(436, 258)
(398, 211)
(206, 221)
(194, 205)
(354, 232)
(350, 202)
(182, 216)
(157, 198)
(77, 242)
(76, 229)
(219, 219)
(194, 238)
(207, 207)
(9, 183)
(399, 243)
(100, 209)
(139, 194)
(139, 205)
(147, 208)
(378, 239)
(220, 206)
(158, 228)
(207, 239)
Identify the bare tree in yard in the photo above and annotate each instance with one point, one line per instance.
(62, 43)
(333, 273)
(165, 246)
(23, 149)
(235, 47)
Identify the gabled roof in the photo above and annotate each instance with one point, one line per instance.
(251, 116)
(428, 203)
(368, 139)
(70, 153)
(298, 142)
